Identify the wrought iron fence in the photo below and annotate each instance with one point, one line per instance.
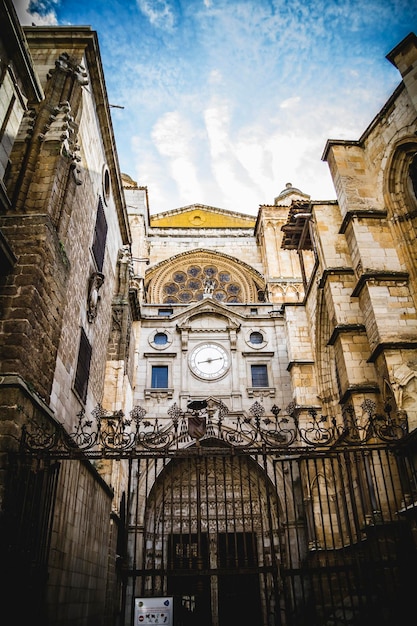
(114, 433)
(313, 515)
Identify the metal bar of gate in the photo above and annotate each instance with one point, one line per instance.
(329, 520)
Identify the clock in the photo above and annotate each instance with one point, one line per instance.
(209, 361)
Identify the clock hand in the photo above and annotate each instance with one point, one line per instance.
(220, 358)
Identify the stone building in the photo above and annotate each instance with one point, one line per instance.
(201, 411)
(63, 224)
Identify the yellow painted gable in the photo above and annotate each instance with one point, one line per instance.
(200, 216)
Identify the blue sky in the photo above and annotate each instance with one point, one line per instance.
(225, 101)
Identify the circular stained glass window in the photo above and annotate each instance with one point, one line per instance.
(194, 284)
(170, 300)
(233, 289)
(220, 295)
(194, 271)
(170, 288)
(185, 296)
(224, 277)
(210, 271)
(180, 277)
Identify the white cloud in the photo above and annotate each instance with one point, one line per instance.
(158, 12)
(227, 100)
(290, 103)
(215, 77)
(232, 175)
(217, 121)
(175, 140)
(38, 12)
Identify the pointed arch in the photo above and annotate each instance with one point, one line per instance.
(400, 194)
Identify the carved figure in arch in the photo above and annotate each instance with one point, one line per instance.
(209, 286)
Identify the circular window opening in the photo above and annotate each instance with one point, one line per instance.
(106, 183)
(160, 339)
(256, 338)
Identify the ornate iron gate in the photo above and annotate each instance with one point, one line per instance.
(259, 521)
(207, 535)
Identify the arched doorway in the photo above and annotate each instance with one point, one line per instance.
(211, 540)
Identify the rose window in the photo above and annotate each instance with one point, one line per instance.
(191, 285)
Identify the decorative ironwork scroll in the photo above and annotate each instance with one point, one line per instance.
(114, 434)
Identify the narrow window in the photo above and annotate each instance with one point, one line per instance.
(259, 375)
(100, 235)
(5, 122)
(159, 377)
(83, 367)
(412, 171)
(164, 312)
(7, 138)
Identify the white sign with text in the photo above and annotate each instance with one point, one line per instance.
(154, 611)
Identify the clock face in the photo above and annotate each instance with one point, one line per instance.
(209, 361)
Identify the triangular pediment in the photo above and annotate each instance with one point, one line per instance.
(207, 307)
(201, 216)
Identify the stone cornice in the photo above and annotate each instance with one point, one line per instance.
(168, 232)
(334, 271)
(299, 363)
(371, 214)
(159, 355)
(358, 389)
(342, 329)
(385, 346)
(15, 380)
(380, 276)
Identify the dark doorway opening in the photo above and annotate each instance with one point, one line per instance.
(187, 583)
(239, 595)
(239, 600)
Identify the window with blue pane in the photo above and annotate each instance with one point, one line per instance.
(256, 338)
(259, 375)
(159, 377)
(160, 339)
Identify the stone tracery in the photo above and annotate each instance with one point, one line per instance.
(190, 278)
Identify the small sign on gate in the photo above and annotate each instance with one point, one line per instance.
(154, 611)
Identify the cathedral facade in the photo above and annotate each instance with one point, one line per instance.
(206, 417)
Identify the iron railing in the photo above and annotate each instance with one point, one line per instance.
(116, 434)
